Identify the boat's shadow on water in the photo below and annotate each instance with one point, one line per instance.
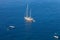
(28, 28)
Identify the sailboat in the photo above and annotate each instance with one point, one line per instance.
(28, 18)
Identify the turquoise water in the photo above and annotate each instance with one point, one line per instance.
(45, 12)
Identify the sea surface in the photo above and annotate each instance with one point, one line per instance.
(46, 14)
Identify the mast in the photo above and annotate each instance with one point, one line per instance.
(27, 11)
(30, 13)
(27, 8)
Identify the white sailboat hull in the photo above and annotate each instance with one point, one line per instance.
(29, 19)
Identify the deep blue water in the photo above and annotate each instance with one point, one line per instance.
(45, 12)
